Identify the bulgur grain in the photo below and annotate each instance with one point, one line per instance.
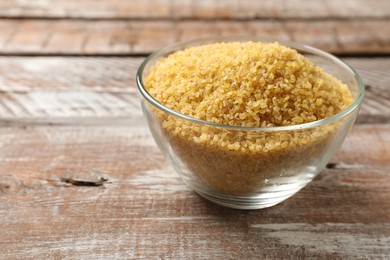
(246, 84)
(249, 84)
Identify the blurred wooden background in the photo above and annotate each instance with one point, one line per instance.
(140, 26)
(69, 110)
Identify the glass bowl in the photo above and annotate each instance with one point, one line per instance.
(234, 172)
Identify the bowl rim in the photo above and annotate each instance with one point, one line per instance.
(298, 46)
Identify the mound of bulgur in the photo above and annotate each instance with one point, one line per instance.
(249, 84)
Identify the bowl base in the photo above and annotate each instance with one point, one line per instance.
(260, 201)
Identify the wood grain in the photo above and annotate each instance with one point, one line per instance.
(75, 37)
(144, 211)
(102, 91)
(187, 9)
(68, 121)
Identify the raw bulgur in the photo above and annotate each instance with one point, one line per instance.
(250, 84)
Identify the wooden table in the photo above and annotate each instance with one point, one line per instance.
(70, 115)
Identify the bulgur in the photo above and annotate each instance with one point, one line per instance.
(249, 84)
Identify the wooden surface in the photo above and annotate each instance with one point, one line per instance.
(68, 120)
(138, 37)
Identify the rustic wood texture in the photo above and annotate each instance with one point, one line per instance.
(102, 90)
(75, 37)
(145, 211)
(190, 9)
(81, 177)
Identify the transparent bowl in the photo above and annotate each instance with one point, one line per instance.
(289, 158)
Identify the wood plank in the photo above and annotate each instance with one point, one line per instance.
(79, 90)
(69, 90)
(75, 37)
(374, 73)
(145, 211)
(206, 9)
